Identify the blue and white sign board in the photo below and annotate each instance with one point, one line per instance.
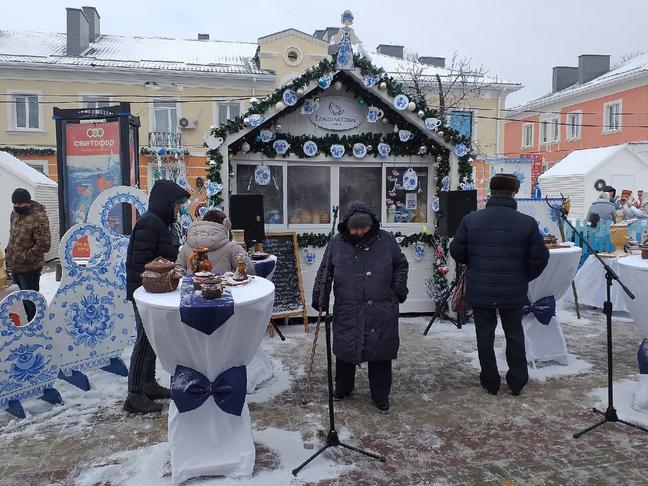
(521, 167)
(546, 217)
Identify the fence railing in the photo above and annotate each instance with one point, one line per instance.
(599, 237)
(166, 140)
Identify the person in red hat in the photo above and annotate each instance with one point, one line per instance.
(503, 251)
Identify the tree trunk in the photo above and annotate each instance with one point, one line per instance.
(441, 96)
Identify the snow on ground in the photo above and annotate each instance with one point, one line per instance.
(149, 466)
(624, 393)
(49, 285)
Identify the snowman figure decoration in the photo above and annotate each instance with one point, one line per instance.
(344, 39)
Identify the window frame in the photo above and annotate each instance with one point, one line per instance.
(152, 118)
(606, 106)
(335, 188)
(84, 98)
(548, 125)
(526, 126)
(578, 114)
(217, 106)
(12, 115)
(40, 162)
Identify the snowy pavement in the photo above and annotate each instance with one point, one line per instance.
(443, 429)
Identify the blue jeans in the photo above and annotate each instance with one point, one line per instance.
(28, 281)
(142, 364)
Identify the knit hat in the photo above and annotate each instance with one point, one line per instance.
(21, 196)
(359, 220)
(504, 183)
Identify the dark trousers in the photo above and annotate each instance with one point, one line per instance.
(142, 364)
(485, 324)
(28, 281)
(380, 378)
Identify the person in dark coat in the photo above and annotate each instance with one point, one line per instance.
(151, 238)
(503, 250)
(368, 272)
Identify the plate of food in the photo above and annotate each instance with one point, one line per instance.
(230, 279)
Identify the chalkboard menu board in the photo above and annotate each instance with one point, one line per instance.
(289, 290)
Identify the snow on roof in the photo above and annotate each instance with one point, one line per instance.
(18, 168)
(633, 67)
(134, 52)
(400, 67)
(582, 162)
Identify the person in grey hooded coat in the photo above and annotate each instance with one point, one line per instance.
(368, 272)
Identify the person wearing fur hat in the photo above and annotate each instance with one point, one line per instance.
(29, 241)
(370, 275)
(503, 251)
(213, 233)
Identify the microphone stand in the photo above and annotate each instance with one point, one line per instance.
(332, 439)
(610, 414)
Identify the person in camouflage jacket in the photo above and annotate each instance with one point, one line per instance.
(29, 241)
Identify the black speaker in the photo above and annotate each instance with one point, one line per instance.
(453, 206)
(246, 213)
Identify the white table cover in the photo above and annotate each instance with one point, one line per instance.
(634, 273)
(260, 368)
(591, 284)
(547, 343)
(207, 440)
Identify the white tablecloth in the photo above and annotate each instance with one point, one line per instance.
(633, 271)
(591, 284)
(207, 440)
(547, 343)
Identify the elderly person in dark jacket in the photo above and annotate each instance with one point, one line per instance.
(504, 251)
(151, 238)
(369, 276)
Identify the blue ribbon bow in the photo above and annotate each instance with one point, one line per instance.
(543, 309)
(190, 389)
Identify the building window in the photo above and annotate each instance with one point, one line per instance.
(293, 56)
(228, 111)
(612, 117)
(41, 166)
(94, 101)
(165, 116)
(26, 112)
(462, 121)
(361, 184)
(272, 193)
(309, 194)
(574, 123)
(406, 206)
(527, 135)
(550, 130)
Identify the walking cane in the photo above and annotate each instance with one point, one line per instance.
(312, 361)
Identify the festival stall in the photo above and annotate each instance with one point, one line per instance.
(621, 166)
(334, 135)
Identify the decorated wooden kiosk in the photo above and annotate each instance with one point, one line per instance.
(335, 135)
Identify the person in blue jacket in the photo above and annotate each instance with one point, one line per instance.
(503, 251)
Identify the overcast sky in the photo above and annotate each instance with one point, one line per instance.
(517, 40)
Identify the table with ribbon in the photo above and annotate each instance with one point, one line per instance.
(544, 339)
(633, 271)
(205, 346)
(260, 368)
(590, 285)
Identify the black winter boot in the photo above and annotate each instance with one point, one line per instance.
(140, 403)
(155, 391)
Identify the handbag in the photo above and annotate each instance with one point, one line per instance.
(458, 301)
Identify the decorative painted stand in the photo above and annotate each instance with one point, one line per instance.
(28, 365)
(91, 317)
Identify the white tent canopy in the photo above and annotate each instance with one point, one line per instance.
(14, 173)
(621, 166)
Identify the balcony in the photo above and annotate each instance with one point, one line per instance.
(165, 140)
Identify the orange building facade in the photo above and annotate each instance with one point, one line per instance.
(610, 109)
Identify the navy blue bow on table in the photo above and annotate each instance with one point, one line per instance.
(190, 389)
(543, 309)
